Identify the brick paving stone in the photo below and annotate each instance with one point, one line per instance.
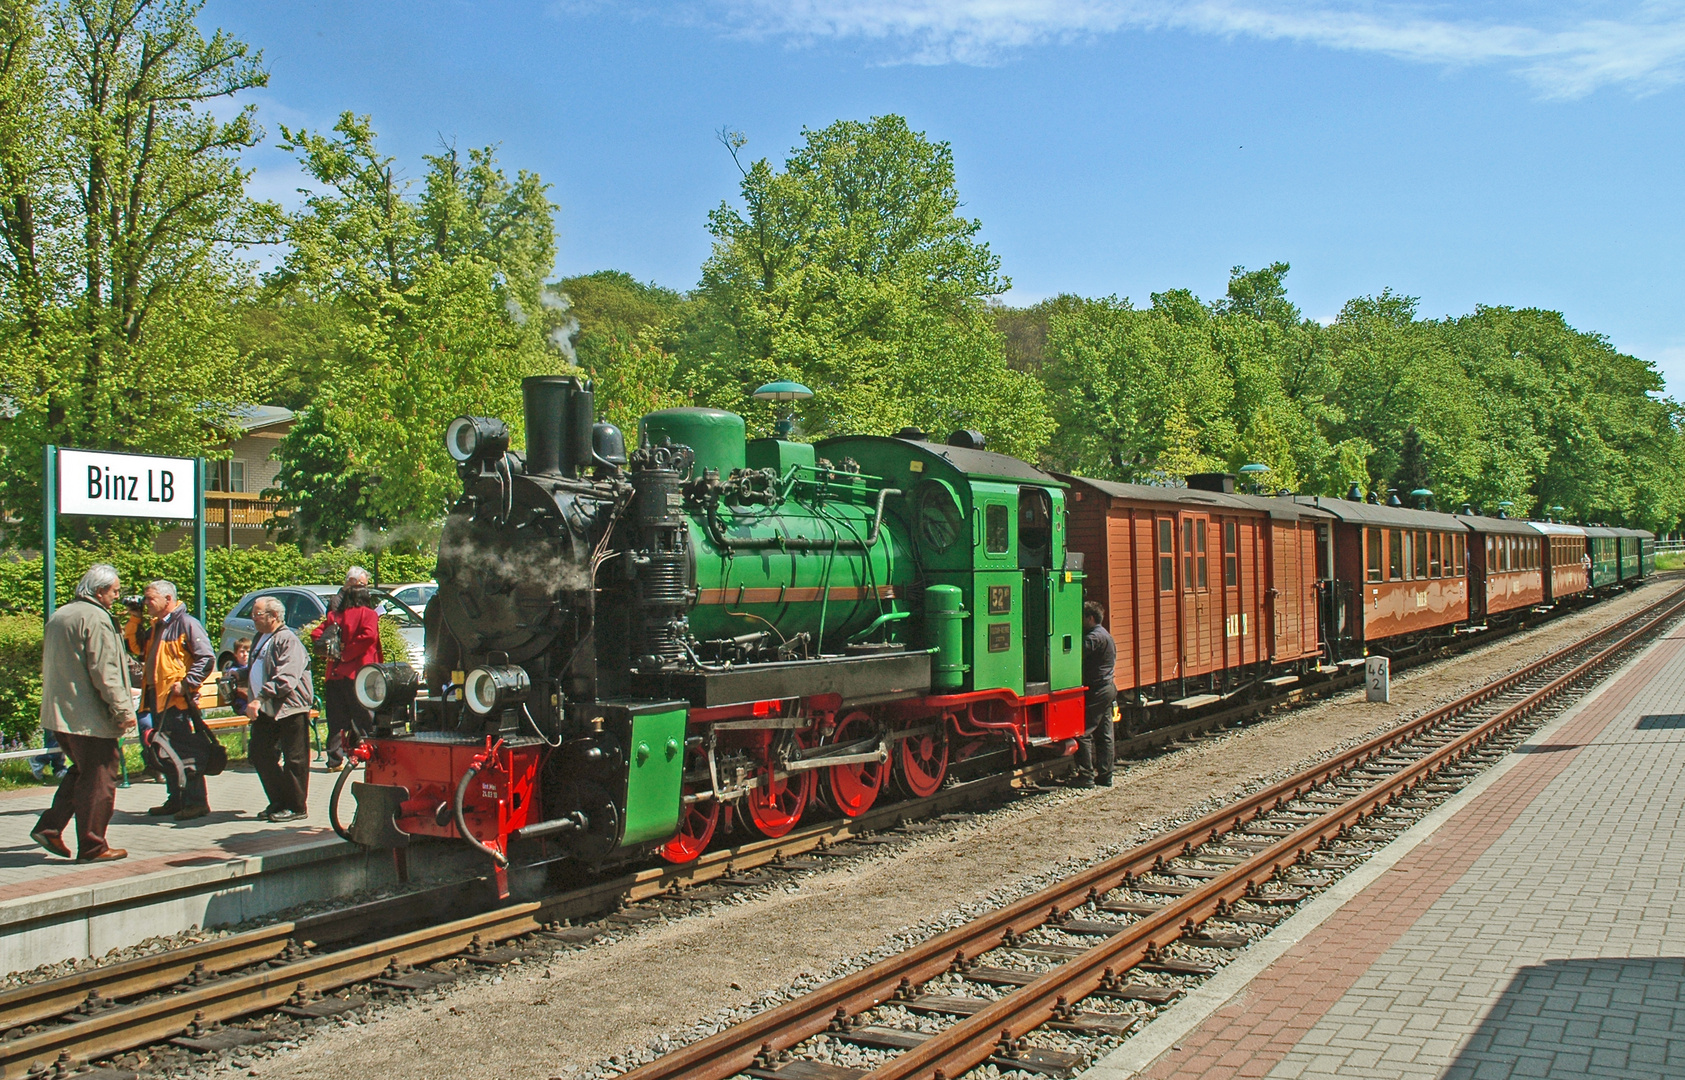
(1540, 932)
(232, 830)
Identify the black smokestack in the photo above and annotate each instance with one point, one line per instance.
(548, 400)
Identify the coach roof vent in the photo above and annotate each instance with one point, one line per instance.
(1212, 481)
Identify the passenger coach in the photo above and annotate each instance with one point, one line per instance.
(1565, 560)
(1506, 570)
(1204, 589)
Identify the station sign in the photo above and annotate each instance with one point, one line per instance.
(126, 485)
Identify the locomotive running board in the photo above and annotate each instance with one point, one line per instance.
(856, 680)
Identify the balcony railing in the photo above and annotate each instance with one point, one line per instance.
(240, 510)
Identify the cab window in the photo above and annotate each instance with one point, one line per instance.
(997, 529)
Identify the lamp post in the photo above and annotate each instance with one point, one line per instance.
(786, 391)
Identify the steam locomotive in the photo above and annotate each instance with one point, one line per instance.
(625, 648)
(628, 651)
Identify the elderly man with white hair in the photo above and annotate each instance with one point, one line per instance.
(87, 702)
(176, 660)
(281, 694)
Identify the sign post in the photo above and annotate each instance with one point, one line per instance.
(102, 484)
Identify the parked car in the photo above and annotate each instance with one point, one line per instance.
(414, 595)
(304, 604)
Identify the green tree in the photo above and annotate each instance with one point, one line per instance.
(122, 207)
(439, 309)
(618, 341)
(852, 271)
(328, 495)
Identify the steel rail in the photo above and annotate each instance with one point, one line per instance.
(108, 1029)
(976, 1038)
(736, 1048)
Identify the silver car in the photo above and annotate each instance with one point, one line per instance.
(304, 604)
(413, 595)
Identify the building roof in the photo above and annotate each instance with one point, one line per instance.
(257, 417)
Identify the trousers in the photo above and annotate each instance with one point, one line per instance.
(346, 715)
(1097, 746)
(87, 792)
(280, 752)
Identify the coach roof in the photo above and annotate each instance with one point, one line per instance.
(1280, 508)
(1392, 517)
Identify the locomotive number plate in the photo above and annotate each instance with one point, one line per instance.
(1000, 599)
(1000, 636)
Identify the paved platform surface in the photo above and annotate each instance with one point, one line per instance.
(1538, 930)
(232, 830)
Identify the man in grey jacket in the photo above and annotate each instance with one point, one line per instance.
(278, 677)
(87, 703)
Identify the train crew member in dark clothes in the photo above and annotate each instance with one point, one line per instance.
(87, 702)
(281, 693)
(350, 635)
(1096, 749)
(177, 661)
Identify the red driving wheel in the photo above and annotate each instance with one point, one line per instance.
(697, 822)
(922, 761)
(854, 788)
(775, 806)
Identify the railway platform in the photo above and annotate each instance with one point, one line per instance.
(1532, 926)
(221, 869)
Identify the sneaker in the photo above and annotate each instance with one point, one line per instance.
(110, 854)
(53, 842)
(278, 816)
(192, 812)
(1105, 782)
(164, 811)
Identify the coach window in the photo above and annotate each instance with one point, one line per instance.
(1231, 555)
(1166, 555)
(1187, 554)
(1461, 552)
(1395, 556)
(1199, 546)
(1421, 554)
(1433, 555)
(1372, 543)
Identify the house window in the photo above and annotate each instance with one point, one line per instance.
(1372, 538)
(1231, 555)
(1166, 555)
(227, 476)
(1395, 556)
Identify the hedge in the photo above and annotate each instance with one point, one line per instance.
(20, 677)
(229, 575)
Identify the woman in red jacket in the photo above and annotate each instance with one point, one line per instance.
(350, 635)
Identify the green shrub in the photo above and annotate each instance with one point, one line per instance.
(20, 677)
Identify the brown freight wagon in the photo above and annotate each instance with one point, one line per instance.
(1203, 590)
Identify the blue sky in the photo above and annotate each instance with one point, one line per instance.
(1467, 153)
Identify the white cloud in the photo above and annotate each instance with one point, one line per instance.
(1638, 45)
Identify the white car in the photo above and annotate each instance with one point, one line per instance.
(413, 595)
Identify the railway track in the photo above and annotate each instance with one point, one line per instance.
(187, 994)
(994, 984)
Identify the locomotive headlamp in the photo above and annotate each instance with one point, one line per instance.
(470, 437)
(489, 689)
(390, 685)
